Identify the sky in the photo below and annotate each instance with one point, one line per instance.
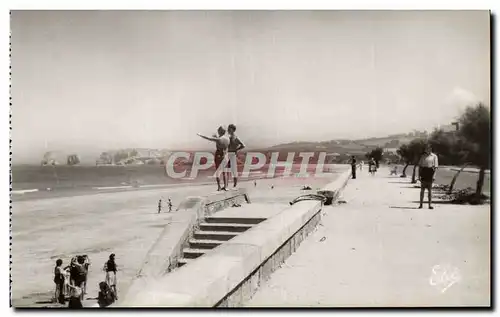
(88, 81)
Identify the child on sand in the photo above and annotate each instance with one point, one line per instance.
(59, 281)
(75, 299)
(105, 296)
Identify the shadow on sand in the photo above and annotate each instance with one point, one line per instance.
(399, 207)
(402, 182)
(439, 202)
(45, 302)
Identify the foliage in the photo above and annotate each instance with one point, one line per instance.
(449, 147)
(465, 196)
(376, 154)
(404, 153)
(133, 153)
(475, 130)
(411, 152)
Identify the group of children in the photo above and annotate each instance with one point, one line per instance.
(72, 281)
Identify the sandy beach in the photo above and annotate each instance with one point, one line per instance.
(47, 229)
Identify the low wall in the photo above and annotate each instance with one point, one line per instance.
(167, 249)
(333, 189)
(230, 274)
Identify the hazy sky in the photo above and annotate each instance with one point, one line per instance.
(95, 80)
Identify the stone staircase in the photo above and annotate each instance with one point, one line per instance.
(213, 232)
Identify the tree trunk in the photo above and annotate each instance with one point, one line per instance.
(452, 184)
(413, 179)
(480, 183)
(404, 170)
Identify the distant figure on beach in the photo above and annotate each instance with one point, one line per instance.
(235, 145)
(353, 167)
(59, 278)
(169, 205)
(361, 165)
(105, 296)
(372, 166)
(255, 183)
(110, 269)
(159, 205)
(221, 144)
(426, 169)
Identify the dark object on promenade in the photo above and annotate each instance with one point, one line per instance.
(159, 206)
(323, 198)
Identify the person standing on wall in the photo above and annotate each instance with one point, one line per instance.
(221, 144)
(235, 144)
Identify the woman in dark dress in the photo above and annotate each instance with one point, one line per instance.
(110, 269)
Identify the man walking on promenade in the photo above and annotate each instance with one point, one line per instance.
(353, 167)
(235, 145)
(426, 169)
(221, 144)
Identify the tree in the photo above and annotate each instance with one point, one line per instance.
(416, 148)
(376, 154)
(133, 153)
(449, 147)
(475, 129)
(405, 154)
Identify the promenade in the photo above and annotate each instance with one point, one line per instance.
(378, 250)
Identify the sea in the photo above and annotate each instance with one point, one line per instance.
(38, 182)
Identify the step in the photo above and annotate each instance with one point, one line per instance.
(204, 244)
(190, 253)
(214, 235)
(183, 262)
(229, 227)
(250, 221)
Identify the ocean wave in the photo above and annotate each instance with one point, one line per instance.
(23, 191)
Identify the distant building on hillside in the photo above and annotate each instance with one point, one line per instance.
(391, 150)
(448, 127)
